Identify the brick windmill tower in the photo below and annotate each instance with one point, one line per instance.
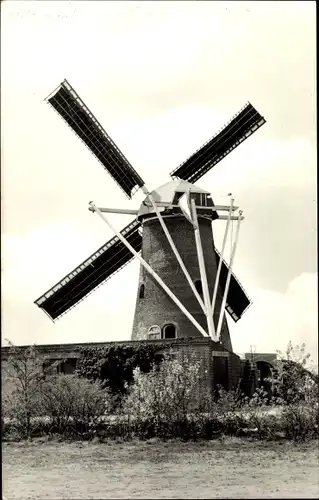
(185, 286)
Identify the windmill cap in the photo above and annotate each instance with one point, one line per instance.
(166, 193)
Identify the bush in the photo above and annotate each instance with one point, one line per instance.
(299, 422)
(73, 405)
(293, 380)
(34, 403)
(114, 364)
(256, 413)
(21, 398)
(169, 391)
(297, 391)
(167, 401)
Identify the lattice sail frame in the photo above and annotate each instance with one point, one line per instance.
(233, 133)
(237, 299)
(79, 118)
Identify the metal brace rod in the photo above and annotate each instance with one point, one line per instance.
(167, 204)
(116, 211)
(150, 270)
(233, 217)
(202, 270)
(222, 310)
(221, 256)
(176, 252)
(125, 211)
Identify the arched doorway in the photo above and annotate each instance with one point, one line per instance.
(169, 331)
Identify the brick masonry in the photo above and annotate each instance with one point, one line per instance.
(156, 308)
(205, 350)
(218, 366)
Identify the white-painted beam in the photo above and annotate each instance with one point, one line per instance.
(221, 256)
(166, 204)
(150, 270)
(177, 254)
(116, 211)
(202, 270)
(231, 262)
(233, 217)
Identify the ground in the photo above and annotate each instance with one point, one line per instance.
(230, 468)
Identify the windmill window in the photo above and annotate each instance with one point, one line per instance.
(198, 286)
(169, 332)
(142, 291)
(203, 200)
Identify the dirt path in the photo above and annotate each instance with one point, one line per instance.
(230, 469)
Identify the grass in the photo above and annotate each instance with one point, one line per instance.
(228, 468)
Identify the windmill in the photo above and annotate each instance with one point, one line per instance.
(185, 286)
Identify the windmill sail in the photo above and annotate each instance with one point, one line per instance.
(76, 114)
(237, 301)
(244, 124)
(94, 271)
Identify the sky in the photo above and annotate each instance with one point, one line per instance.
(162, 78)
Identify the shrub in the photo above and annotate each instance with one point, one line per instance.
(21, 397)
(34, 404)
(163, 400)
(257, 417)
(166, 402)
(293, 380)
(297, 391)
(114, 364)
(168, 391)
(74, 405)
(228, 409)
(299, 422)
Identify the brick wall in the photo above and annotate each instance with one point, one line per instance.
(205, 350)
(234, 371)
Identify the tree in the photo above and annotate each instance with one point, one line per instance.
(297, 389)
(167, 392)
(293, 379)
(21, 398)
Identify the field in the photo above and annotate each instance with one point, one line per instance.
(229, 468)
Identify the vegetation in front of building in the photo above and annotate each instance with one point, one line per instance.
(118, 393)
(114, 364)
